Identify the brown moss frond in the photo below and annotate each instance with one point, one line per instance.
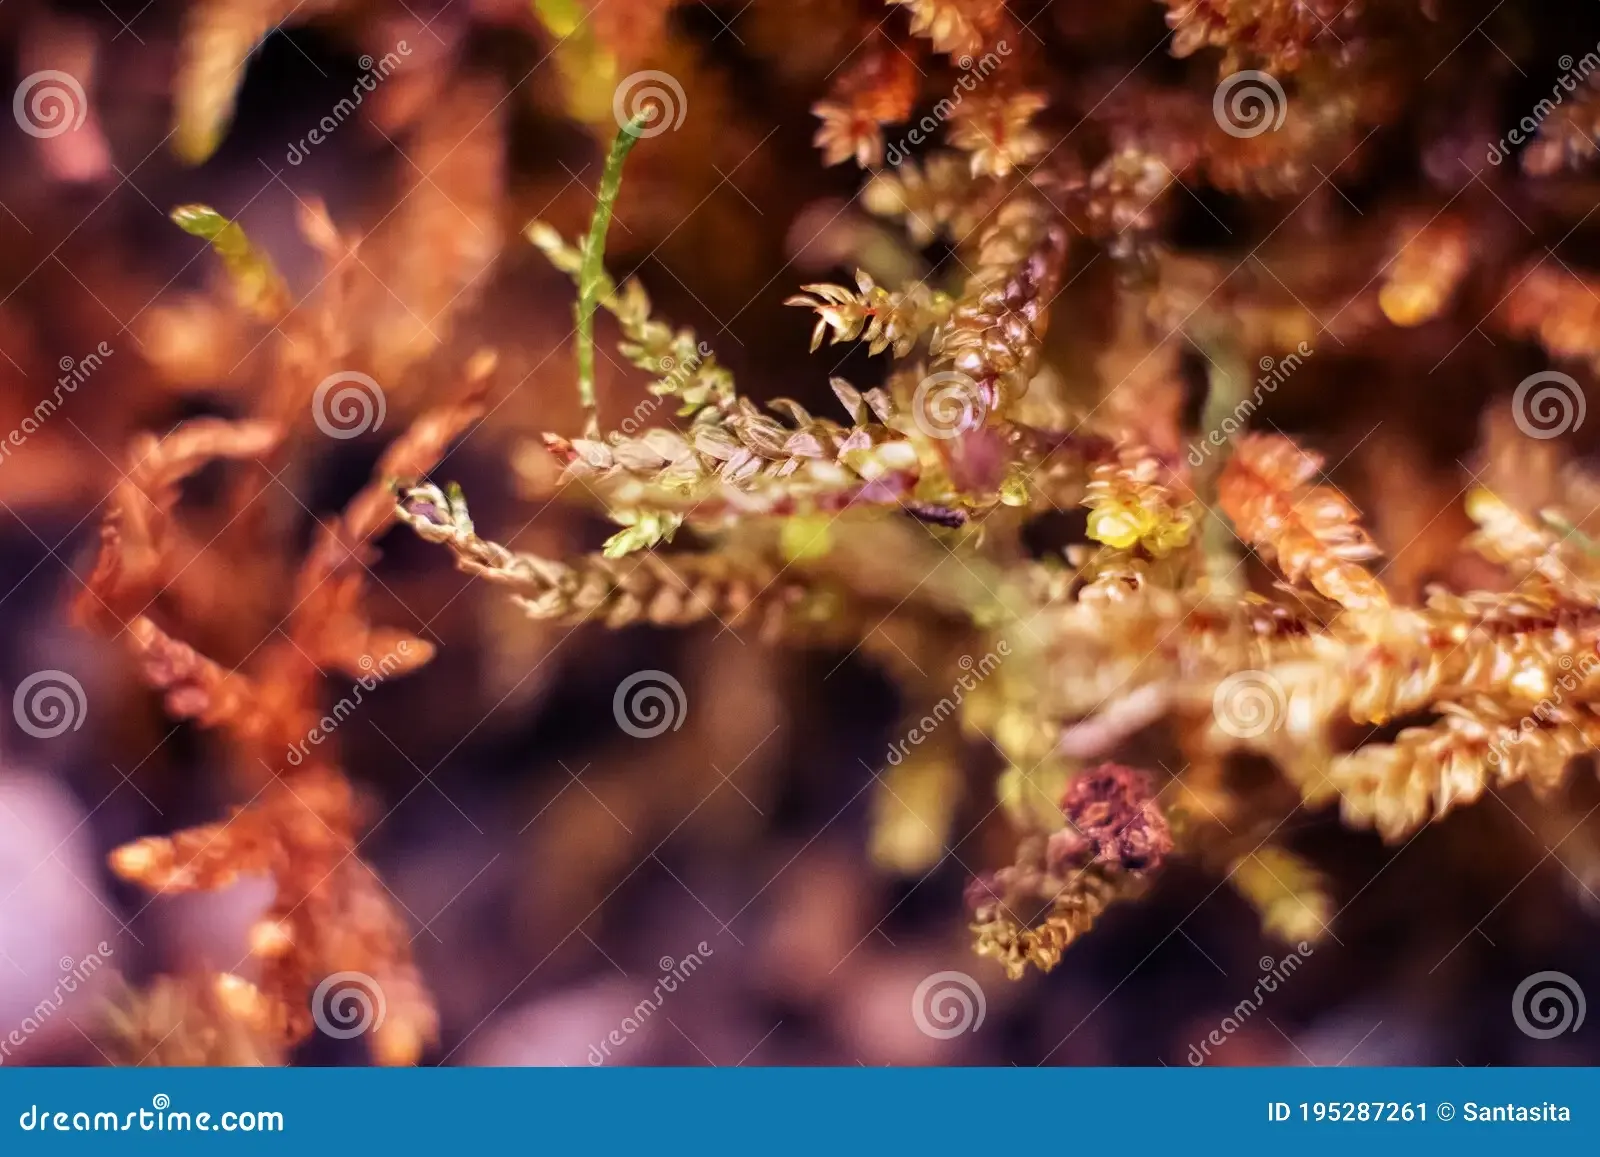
(1311, 531)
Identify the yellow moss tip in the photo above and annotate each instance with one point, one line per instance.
(398, 1042)
(1119, 526)
(270, 939)
(242, 1000)
(1409, 304)
(133, 861)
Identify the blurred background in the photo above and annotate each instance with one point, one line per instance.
(551, 868)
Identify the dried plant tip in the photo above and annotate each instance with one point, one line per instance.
(876, 89)
(957, 27)
(894, 321)
(1112, 819)
(1312, 531)
(997, 133)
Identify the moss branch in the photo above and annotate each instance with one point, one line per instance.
(592, 280)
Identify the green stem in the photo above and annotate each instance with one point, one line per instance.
(592, 275)
(1229, 378)
(1569, 532)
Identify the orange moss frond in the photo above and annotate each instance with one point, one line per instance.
(1312, 532)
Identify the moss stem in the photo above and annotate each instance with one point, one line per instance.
(592, 279)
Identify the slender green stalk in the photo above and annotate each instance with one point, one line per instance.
(1569, 532)
(256, 281)
(592, 275)
(1229, 378)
